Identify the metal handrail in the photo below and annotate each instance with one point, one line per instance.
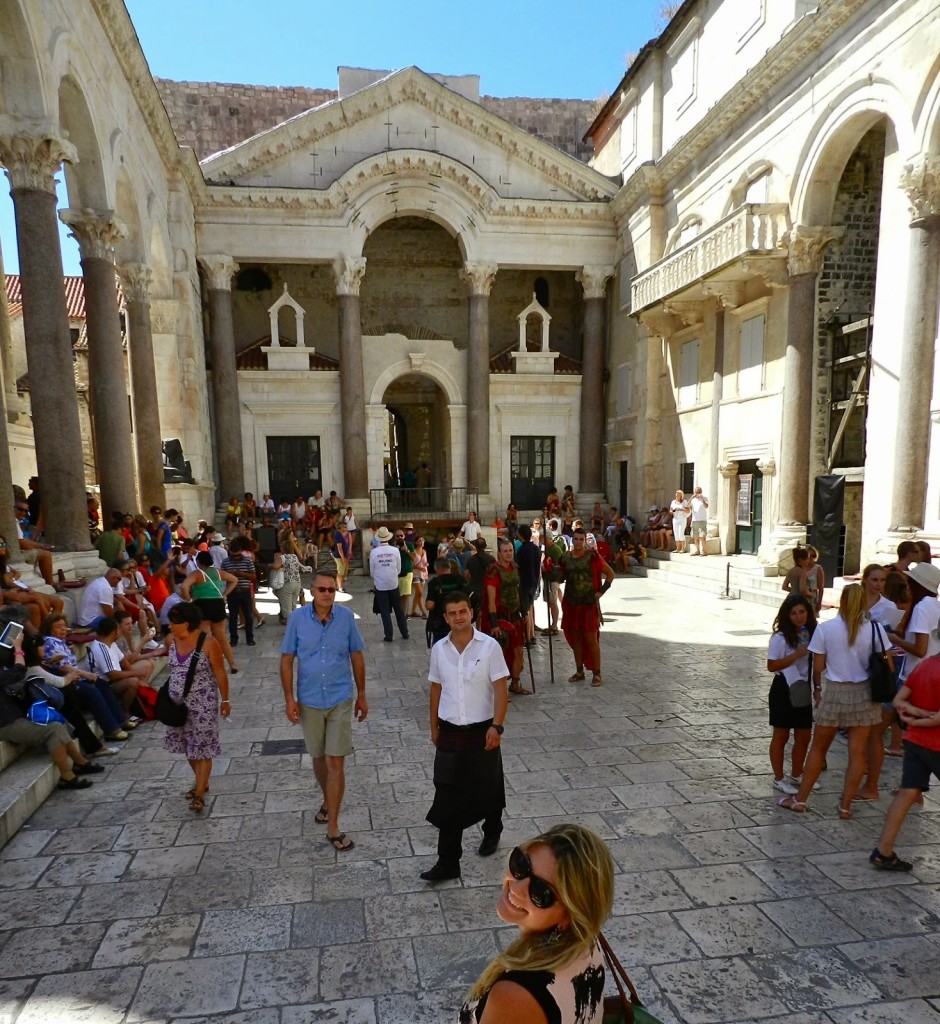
(424, 502)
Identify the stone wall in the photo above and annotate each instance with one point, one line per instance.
(211, 116)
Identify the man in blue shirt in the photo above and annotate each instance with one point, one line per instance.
(327, 645)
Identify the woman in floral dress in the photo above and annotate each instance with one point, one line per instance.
(198, 739)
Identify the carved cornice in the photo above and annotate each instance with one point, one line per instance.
(772, 270)
(594, 280)
(921, 181)
(728, 294)
(808, 248)
(348, 271)
(32, 156)
(479, 277)
(691, 313)
(136, 279)
(409, 85)
(660, 322)
(96, 232)
(805, 40)
(220, 269)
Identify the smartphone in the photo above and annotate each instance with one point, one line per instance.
(11, 633)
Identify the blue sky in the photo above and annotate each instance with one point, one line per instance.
(517, 47)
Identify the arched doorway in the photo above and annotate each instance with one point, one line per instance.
(417, 439)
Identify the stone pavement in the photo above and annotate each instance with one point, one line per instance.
(119, 904)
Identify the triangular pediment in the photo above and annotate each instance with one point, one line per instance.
(406, 111)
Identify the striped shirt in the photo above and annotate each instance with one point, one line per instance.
(236, 564)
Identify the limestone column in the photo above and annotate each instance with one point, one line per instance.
(349, 272)
(593, 410)
(659, 327)
(921, 181)
(136, 279)
(807, 247)
(31, 163)
(6, 337)
(228, 423)
(479, 278)
(96, 234)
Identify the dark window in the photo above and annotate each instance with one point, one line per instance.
(541, 291)
(252, 279)
(686, 477)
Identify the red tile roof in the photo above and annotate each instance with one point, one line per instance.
(252, 358)
(74, 295)
(502, 362)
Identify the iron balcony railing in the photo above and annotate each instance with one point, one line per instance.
(424, 502)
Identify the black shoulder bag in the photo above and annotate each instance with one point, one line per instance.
(167, 710)
(623, 1008)
(880, 673)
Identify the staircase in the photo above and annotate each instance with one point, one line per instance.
(748, 579)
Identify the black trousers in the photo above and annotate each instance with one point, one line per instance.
(240, 600)
(390, 601)
(450, 840)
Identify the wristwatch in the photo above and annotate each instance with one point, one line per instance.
(499, 728)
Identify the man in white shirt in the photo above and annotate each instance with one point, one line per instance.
(217, 551)
(123, 671)
(471, 529)
(98, 599)
(384, 567)
(699, 507)
(469, 699)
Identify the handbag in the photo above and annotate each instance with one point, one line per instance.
(880, 673)
(39, 689)
(167, 710)
(276, 579)
(41, 712)
(620, 1009)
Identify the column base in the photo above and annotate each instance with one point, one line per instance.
(778, 549)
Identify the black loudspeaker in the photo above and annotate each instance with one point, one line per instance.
(829, 499)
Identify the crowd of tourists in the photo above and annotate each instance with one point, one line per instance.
(680, 526)
(870, 675)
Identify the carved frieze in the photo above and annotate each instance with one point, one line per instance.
(690, 313)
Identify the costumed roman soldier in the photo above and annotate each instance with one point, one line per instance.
(584, 574)
(502, 611)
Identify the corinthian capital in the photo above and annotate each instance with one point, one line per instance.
(479, 277)
(96, 233)
(32, 159)
(136, 279)
(348, 271)
(594, 280)
(921, 181)
(220, 269)
(808, 247)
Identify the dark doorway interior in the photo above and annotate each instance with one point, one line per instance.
(293, 467)
(532, 470)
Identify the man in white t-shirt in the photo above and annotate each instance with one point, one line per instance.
(98, 599)
(123, 671)
(699, 507)
(384, 567)
(471, 530)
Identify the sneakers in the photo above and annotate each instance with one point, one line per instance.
(106, 752)
(794, 781)
(888, 862)
(786, 786)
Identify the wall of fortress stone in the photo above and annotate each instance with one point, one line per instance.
(211, 116)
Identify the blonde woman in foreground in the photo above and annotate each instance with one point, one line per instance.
(558, 891)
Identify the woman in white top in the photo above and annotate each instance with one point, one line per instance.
(916, 632)
(842, 647)
(679, 508)
(886, 613)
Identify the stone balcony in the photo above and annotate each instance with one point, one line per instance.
(752, 232)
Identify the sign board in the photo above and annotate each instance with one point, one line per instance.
(743, 505)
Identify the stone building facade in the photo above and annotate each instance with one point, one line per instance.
(738, 291)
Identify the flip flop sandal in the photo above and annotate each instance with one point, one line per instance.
(516, 687)
(576, 678)
(845, 813)
(191, 793)
(197, 804)
(342, 842)
(790, 803)
(322, 816)
(596, 679)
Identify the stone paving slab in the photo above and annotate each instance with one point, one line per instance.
(117, 904)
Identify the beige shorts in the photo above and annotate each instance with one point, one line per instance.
(699, 527)
(328, 730)
(29, 555)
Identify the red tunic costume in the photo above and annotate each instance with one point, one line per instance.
(508, 589)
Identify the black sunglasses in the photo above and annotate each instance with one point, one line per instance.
(540, 892)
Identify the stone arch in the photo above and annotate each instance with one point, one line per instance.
(133, 247)
(927, 113)
(833, 140)
(22, 88)
(753, 173)
(85, 181)
(403, 368)
(690, 220)
(416, 183)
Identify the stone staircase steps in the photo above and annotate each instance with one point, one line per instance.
(749, 580)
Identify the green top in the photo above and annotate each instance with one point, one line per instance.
(210, 586)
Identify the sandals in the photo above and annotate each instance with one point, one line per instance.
(888, 862)
(322, 816)
(845, 813)
(342, 842)
(515, 686)
(790, 803)
(74, 783)
(190, 794)
(197, 804)
(233, 670)
(596, 679)
(576, 678)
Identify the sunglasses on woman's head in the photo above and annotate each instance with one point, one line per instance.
(541, 893)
